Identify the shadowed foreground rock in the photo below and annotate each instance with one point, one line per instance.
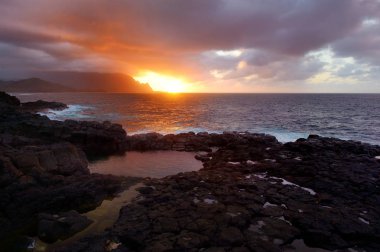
(43, 173)
(42, 105)
(93, 138)
(52, 227)
(257, 195)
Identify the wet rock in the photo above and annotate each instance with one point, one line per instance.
(189, 240)
(145, 190)
(8, 100)
(60, 226)
(93, 138)
(231, 236)
(319, 197)
(253, 192)
(42, 105)
(215, 249)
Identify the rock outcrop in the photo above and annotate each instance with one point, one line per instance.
(8, 100)
(43, 170)
(42, 105)
(93, 138)
(255, 194)
(52, 227)
(190, 141)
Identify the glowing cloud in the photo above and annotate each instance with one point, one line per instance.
(232, 53)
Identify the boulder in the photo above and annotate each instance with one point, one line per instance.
(60, 226)
(42, 105)
(9, 100)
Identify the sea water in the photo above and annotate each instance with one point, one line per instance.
(286, 116)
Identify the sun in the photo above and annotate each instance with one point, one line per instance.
(163, 83)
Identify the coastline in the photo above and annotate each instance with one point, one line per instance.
(321, 190)
(340, 116)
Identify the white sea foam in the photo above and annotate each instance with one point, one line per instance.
(72, 112)
(234, 163)
(268, 204)
(260, 175)
(250, 162)
(284, 137)
(283, 182)
(210, 201)
(285, 220)
(363, 220)
(270, 160)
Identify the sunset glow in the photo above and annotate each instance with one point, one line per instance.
(193, 125)
(163, 83)
(314, 46)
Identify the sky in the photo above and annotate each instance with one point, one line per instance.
(200, 45)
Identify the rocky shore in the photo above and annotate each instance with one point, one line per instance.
(253, 193)
(44, 178)
(256, 194)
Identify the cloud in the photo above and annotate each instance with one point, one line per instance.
(276, 38)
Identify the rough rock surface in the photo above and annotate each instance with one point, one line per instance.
(258, 195)
(38, 178)
(93, 138)
(52, 227)
(190, 141)
(253, 194)
(8, 100)
(43, 105)
(43, 169)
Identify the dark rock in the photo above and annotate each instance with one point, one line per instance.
(189, 240)
(253, 192)
(94, 138)
(43, 169)
(319, 189)
(231, 236)
(145, 190)
(42, 105)
(60, 226)
(6, 99)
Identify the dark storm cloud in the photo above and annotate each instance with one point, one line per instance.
(173, 35)
(364, 46)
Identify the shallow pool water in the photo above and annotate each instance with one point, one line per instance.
(103, 217)
(154, 164)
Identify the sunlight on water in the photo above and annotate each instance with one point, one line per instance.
(287, 116)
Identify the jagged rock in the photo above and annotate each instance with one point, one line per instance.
(60, 226)
(260, 195)
(43, 169)
(9, 100)
(253, 192)
(42, 105)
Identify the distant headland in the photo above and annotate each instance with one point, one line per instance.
(75, 82)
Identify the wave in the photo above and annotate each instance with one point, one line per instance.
(285, 137)
(77, 112)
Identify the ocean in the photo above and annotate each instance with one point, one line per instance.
(286, 116)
